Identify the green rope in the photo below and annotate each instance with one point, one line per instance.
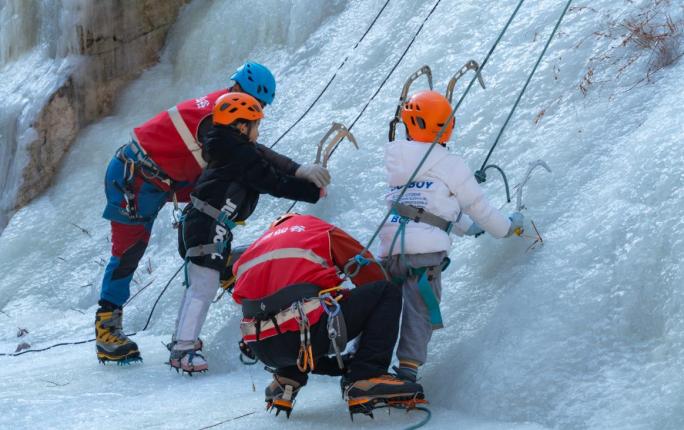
(444, 127)
(480, 174)
(424, 421)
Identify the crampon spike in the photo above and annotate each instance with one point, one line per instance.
(280, 405)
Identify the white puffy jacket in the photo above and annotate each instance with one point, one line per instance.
(444, 186)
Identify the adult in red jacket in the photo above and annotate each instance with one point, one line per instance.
(288, 283)
(162, 163)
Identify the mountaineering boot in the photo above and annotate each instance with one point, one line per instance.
(110, 341)
(385, 390)
(406, 373)
(188, 360)
(281, 394)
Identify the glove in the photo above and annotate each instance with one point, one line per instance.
(474, 230)
(516, 224)
(315, 173)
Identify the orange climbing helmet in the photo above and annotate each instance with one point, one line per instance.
(424, 114)
(233, 106)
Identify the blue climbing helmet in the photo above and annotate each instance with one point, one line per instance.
(256, 80)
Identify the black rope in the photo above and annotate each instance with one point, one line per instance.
(413, 39)
(480, 175)
(330, 81)
(363, 110)
(80, 342)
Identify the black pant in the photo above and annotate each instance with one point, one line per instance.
(371, 311)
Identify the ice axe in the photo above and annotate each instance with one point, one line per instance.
(533, 165)
(470, 65)
(425, 70)
(518, 197)
(340, 132)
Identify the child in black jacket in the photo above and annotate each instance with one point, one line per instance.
(226, 193)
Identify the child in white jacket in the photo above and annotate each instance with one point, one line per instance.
(445, 198)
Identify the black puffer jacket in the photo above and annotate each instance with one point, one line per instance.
(237, 173)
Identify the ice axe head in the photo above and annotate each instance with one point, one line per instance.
(335, 134)
(425, 70)
(470, 65)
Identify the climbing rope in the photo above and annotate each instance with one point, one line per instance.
(444, 127)
(424, 421)
(481, 175)
(382, 84)
(80, 342)
(330, 81)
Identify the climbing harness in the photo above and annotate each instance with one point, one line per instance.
(425, 70)
(470, 65)
(406, 214)
(330, 81)
(341, 132)
(137, 164)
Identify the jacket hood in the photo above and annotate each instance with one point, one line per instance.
(402, 158)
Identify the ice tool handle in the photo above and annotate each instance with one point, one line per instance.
(323, 155)
(425, 70)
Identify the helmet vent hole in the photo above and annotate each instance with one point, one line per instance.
(418, 107)
(249, 78)
(413, 121)
(421, 122)
(233, 110)
(223, 107)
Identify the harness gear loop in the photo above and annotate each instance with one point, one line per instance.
(425, 70)
(422, 273)
(305, 360)
(342, 132)
(470, 65)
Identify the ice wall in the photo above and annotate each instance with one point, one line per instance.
(584, 333)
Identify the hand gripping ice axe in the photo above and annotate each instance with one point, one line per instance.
(519, 206)
(425, 70)
(335, 134)
(470, 65)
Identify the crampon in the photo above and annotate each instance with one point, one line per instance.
(280, 405)
(366, 405)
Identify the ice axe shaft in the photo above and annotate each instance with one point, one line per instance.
(335, 134)
(533, 165)
(470, 65)
(425, 70)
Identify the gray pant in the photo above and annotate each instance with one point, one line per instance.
(416, 329)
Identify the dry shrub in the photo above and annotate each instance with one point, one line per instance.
(649, 38)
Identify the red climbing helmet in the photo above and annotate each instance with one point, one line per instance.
(424, 114)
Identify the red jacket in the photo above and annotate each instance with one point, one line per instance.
(170, 138)
(300, 249)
